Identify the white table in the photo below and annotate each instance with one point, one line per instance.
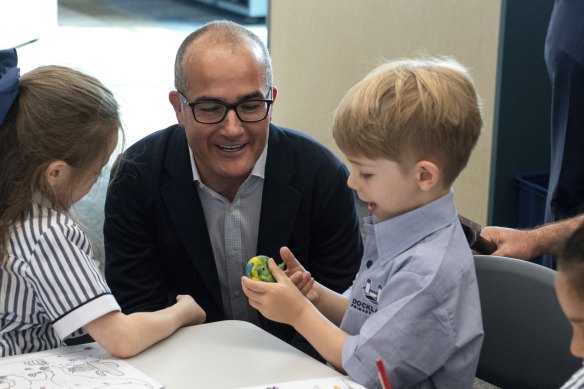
(226, 354)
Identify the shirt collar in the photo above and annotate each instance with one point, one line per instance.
(259, 169)
(39, 199)
(397, 234)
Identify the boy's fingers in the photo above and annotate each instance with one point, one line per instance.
(285, 252)
(278, 273)
(296, 278)
(308, 280)
(288, 258)
(303, 278)
(307, 286)
(253, 286)
(254, 304)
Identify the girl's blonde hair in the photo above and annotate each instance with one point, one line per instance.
(409, 110)
(60, 114)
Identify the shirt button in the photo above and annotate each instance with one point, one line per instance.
(369, 263)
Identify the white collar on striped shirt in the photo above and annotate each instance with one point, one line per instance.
(40, 199)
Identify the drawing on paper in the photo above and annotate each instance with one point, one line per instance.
(86, 366)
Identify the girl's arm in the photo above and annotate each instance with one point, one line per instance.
(124, 336)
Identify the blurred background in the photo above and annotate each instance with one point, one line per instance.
(129, 45)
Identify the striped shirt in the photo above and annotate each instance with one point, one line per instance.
(576, 381)
(50, 286)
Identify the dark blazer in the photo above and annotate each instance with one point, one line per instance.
(564, 56)
(156, 239)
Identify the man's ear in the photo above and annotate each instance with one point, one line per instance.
(174, 99)
(57, 173)
(427, 174)
(274, 95)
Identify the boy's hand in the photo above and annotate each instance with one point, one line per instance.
(281, 301)
(299, 275)
(192, 312)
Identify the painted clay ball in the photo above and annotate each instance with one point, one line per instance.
(257, 269)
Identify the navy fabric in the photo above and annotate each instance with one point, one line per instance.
(564, 56)
(9, 75)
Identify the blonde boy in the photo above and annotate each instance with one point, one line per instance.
(407, 130)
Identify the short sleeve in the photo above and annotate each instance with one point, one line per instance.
(66, 280)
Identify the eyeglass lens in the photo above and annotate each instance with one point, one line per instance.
(247, 111)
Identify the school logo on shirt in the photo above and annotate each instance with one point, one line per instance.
(372, 297)
(370, 294)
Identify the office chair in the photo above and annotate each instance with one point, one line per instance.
(527, 337)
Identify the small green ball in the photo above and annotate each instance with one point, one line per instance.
(257, 269)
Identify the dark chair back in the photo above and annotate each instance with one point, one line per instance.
(527, 336)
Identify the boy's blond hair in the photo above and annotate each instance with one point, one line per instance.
(410, 110)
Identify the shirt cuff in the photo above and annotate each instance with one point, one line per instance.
(84, 314)
(351, 362)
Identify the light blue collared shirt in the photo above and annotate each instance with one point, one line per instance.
(415, 302)
(233, 230)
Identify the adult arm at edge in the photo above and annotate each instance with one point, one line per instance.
(528, 244)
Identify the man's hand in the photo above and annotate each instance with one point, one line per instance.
(511, 243)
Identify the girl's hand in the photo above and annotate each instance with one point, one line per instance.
(193, 313)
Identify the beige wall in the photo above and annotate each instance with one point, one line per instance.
(320, 48)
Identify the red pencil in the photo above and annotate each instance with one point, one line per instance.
(382, 375)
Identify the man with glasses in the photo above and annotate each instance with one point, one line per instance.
(193, 202)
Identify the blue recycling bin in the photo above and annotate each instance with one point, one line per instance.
(532, 193)
(531, 201)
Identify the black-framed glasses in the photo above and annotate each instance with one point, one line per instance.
(214, 111)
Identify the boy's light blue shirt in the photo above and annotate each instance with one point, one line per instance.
(415, 303)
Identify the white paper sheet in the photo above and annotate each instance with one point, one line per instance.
(81, 366)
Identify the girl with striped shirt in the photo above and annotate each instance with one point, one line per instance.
(58, 129)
